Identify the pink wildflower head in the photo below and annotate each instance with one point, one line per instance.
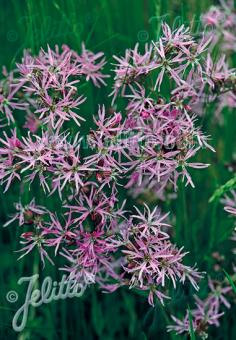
(230, 203)
(151, 258)
(90, 65)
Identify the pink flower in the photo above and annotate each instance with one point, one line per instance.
(32, 240)
(28, 214)
(92, 258)
(91, 67)
(130, 68)
(32, 123)
(139, 102)
(9, 101)
(60, 234)
(230, 203)
(56, 113)
(9, 156)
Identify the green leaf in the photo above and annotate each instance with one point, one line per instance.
(230, 281)
(231, 184)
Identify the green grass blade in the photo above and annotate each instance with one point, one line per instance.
(191, 330)
(231, 184)
(230, 281)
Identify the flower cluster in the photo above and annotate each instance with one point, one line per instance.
(150, 144)
(220, 21)
(101, 246)
(163, 122)
(207, 312)
(46, 86)
(220, 24)
(50, 157)
(150, 257)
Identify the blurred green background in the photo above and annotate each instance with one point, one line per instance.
(112, 26)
